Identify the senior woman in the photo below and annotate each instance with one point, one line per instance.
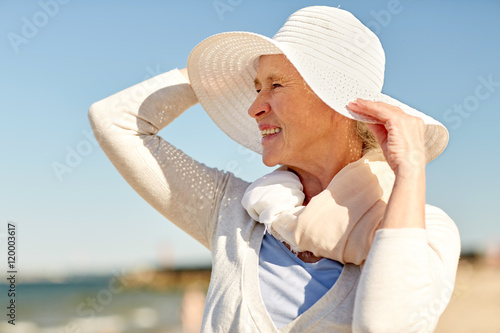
(305, 99)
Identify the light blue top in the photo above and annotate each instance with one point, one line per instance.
(290, 286)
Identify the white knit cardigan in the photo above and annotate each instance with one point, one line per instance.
(404, 285)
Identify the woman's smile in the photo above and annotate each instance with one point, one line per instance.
(269, 133)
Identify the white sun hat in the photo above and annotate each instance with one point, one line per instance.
(338, 57)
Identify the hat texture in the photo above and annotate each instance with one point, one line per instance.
(338, 57)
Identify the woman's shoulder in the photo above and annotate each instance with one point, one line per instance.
(437, 219)
(436, 215)
(442, 233)
(430, 209)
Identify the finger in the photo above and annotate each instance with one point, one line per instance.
(359, 110)
(379, 131)
(381, 111)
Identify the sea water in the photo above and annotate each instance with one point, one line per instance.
(91, 304)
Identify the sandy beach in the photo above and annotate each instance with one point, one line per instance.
(475, 304)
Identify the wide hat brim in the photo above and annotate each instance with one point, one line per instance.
(222, 69)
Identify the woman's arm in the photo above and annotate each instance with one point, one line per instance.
(408, 277)
(126, 125)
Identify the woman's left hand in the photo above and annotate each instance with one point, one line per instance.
(401, 136)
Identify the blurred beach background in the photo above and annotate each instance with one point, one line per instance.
(92, 256)
(171, 301)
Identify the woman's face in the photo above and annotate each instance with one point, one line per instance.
(297, 127)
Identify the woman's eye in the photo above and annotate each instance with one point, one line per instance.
(274, 85)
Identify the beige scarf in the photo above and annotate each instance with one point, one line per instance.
(339, 223)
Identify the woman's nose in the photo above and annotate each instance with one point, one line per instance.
(259, 107)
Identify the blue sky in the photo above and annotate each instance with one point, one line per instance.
(58, 57)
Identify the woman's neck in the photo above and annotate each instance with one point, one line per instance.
(314, 182)
(315, 179)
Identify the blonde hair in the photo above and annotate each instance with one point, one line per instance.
(366, 136)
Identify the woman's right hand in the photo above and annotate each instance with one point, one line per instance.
(184, 73)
